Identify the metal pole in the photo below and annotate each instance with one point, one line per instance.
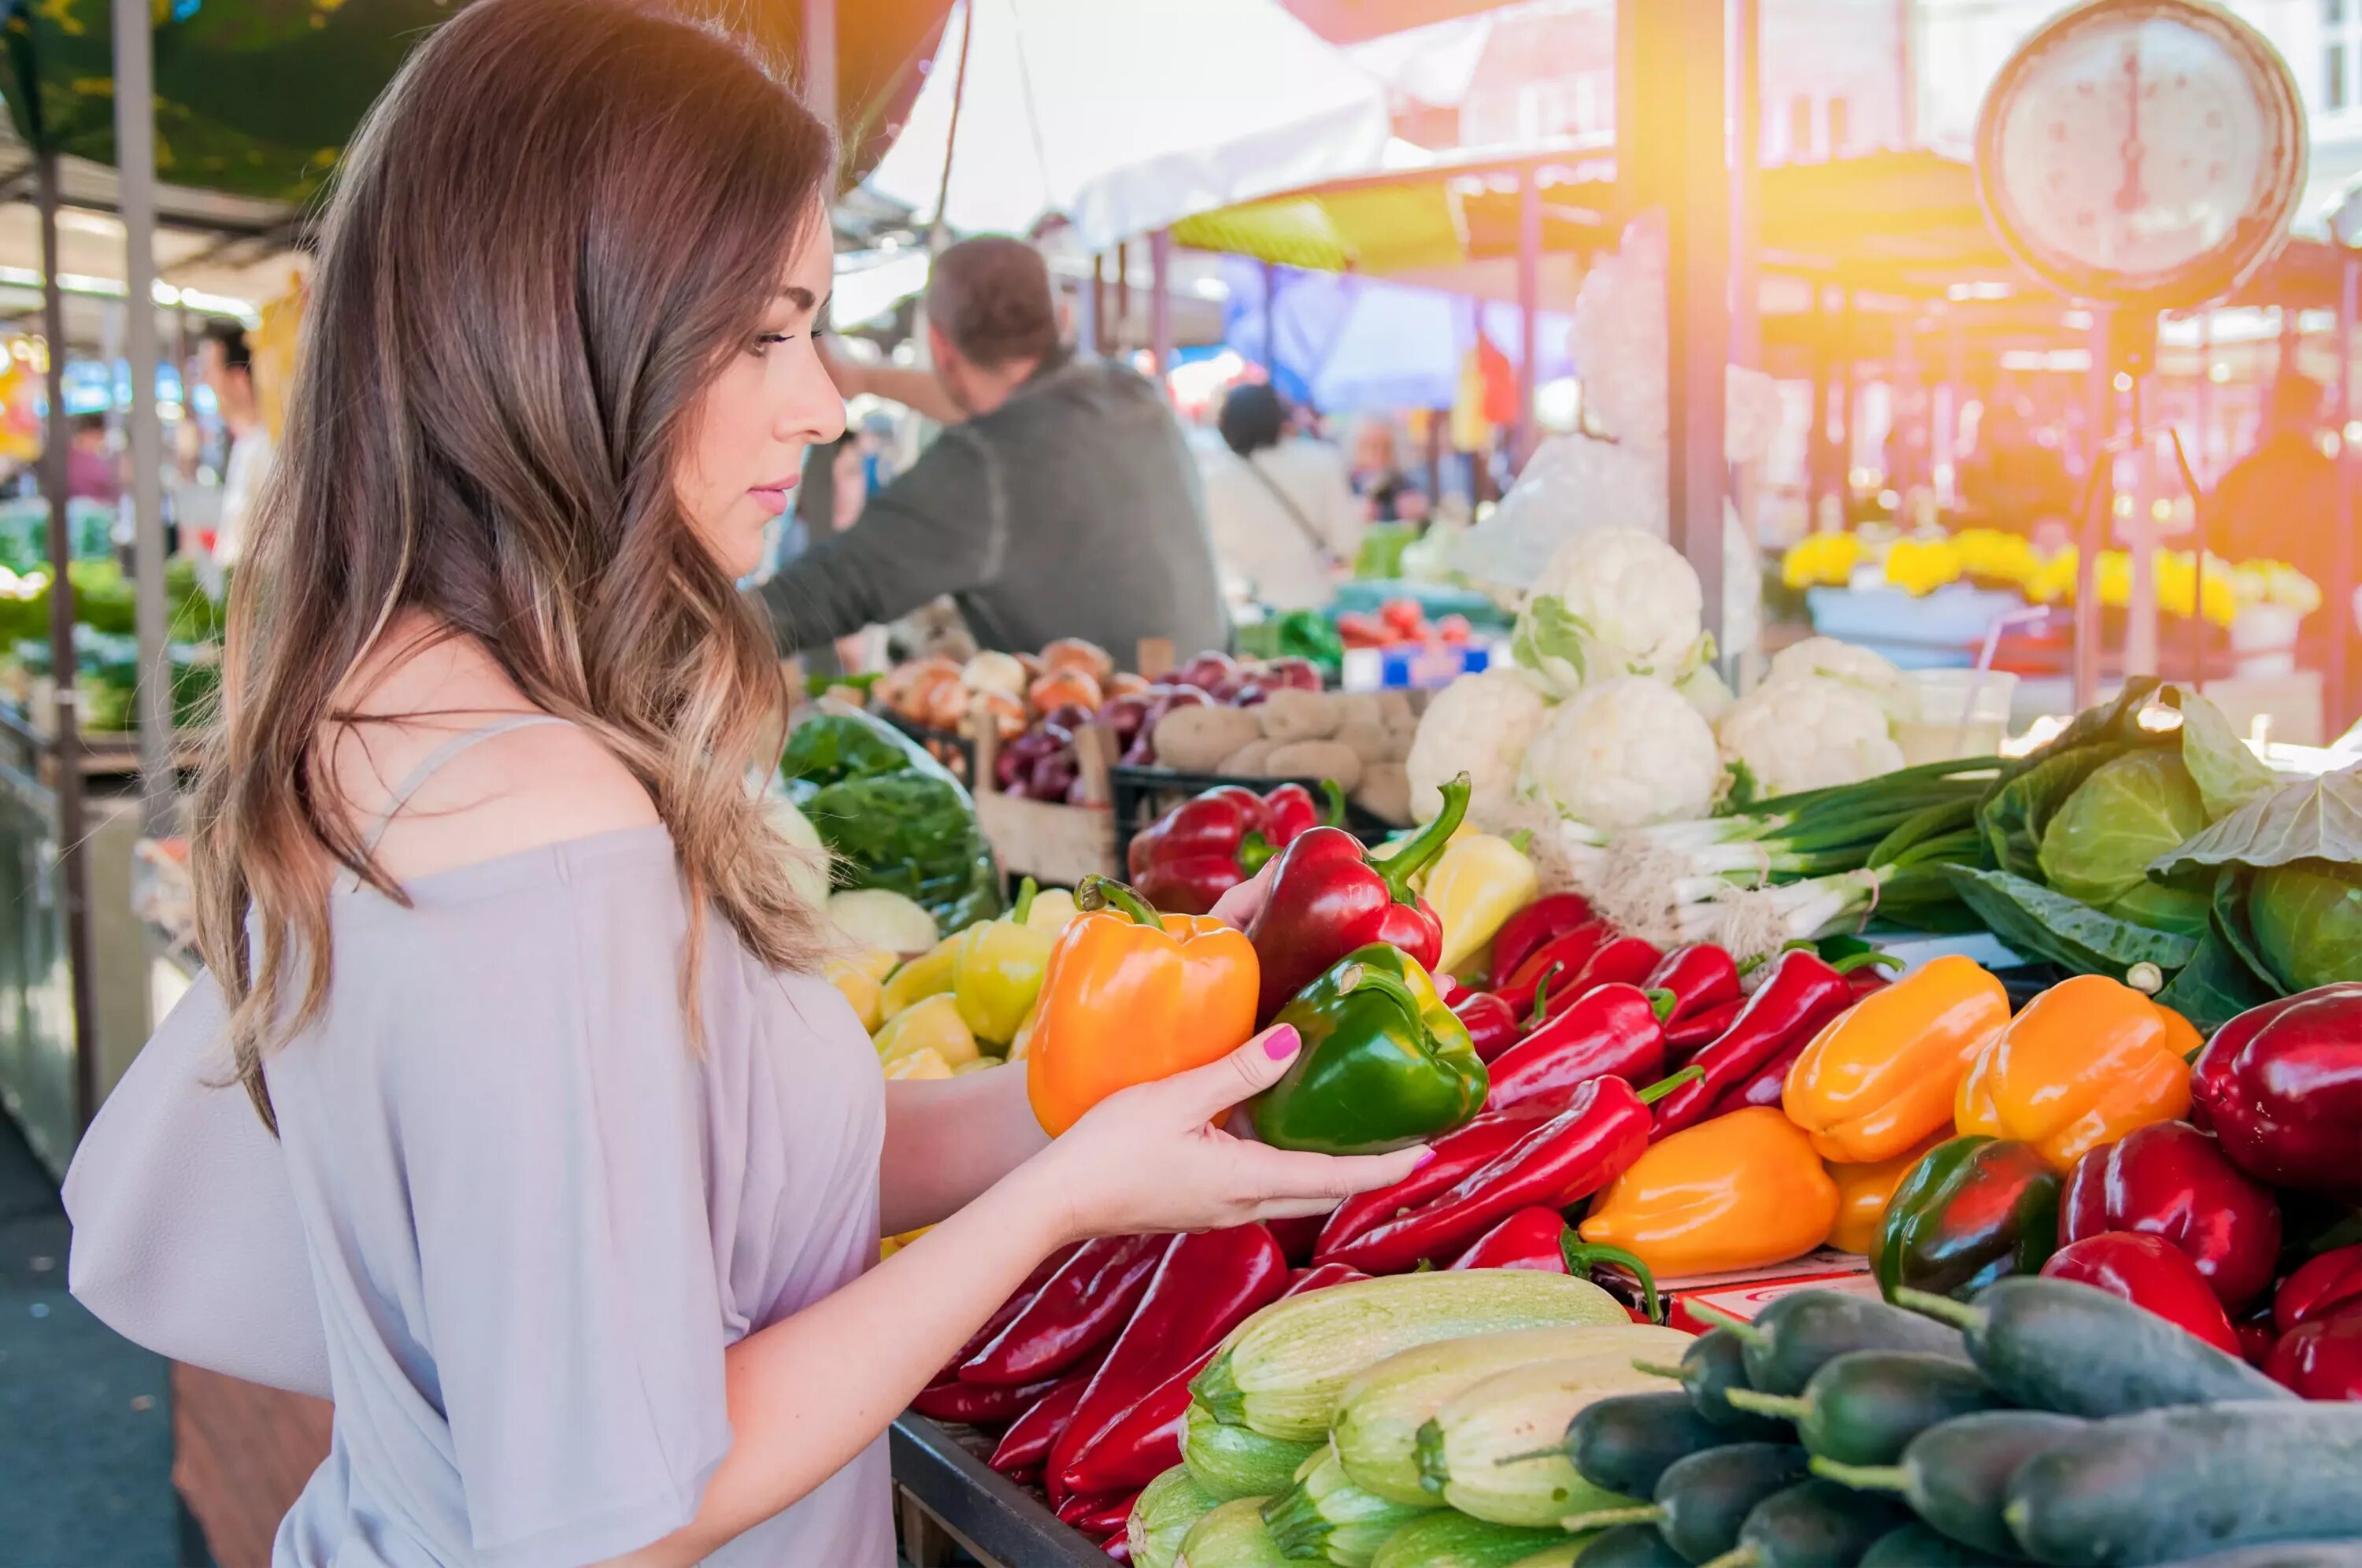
(2342, 696)
(2099, 507)
(1816, 437)
(73, 868)
(1122, 295)
(1747, 157)
(820, 60)
(1529, 290)
(1099, 336)
(1160, 304)
(1271, 320)
(135, 163)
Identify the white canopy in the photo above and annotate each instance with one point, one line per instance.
(1126, 115)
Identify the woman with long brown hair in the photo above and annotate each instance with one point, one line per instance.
(579, 1174)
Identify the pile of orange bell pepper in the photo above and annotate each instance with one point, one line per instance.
(2085, 1063)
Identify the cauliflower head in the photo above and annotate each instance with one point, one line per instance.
(1856, 666)
(1623, 752)
(1611, 601)
(1807, 731)
(1482, 723)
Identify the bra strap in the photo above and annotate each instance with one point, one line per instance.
(434, 760)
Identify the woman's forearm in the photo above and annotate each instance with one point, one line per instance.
(948, 1140)
(808, 1394)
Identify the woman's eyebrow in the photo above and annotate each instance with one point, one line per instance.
(802, 298)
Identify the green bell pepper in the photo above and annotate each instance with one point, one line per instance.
(1385, 1063)
(1973, 1210)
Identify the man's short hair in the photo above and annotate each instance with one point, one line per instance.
(237, 353)
(991, 297)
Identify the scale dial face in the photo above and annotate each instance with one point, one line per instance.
(2143, 151)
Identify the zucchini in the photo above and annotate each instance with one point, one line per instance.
(1714, 1363)
(1796, 1336)
(1283, 1370)
(1817, 1524)
(1624, 1444)
(1375, 1432)
(1627, 1546)
(2056, 1344)
(1231, 1462)
(1865, 1406)
(1230, 1536)
(1324, 1517)
(1919, 1545)
(1701, 1501)
(2283, 1554)
(1497, 1452)
(1162, 1517)
(2163, 1485)
(1447, 1540)
(1955, 1477)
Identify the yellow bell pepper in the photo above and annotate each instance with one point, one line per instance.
(981, 1065)
(892, 1244)
(1401, 840)
(1052, 907)
(1475, 884)
(1880, 1077)
(932, 1023)
(858, 987)
(1739, 1191)
(1023, 1041)
(926, 1062)
(1862, 1192)
(930, 973)
(2086, 1061)
(998, 965)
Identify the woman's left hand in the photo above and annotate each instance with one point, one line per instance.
(1243, 903)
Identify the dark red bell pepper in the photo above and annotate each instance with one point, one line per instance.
(1545, 920)
(2322, 1285)
(1460, 1153)
(2149, 1272)
(1492, 1027)
(1566, 1159)
(1560, 959)
(2281, 1086)
(2171, 1180)
(1208, 844)
(1098, 1516)
(1701, 977)
(1802, 994)
(977, 1404)
(1293, 813)
(1610, 1028)
(1083, 1306)
(1205, 1285)
(1541, 1238)
(1696, 1032)
(1327, 898)
(2321, 1358)
(1026, 1444)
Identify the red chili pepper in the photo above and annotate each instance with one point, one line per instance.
(1458, 1154)
(1545, 920)
(1566, 1159)
(1541, 1238)
(1083, 1306)
(1006, 1313)
(1696, 1034)
(1296, 1237)
(1624, 961)
(2322, 1357)
(2255, 1336)
(2170, 1181)
(1328, 897)
(1117, 1547)
(1562, 957)
(1098, 1516)
(1766, 1084)
(2320, 1286)
(1205, 1285)
(977, 1404)
(1027, 1442)
(1701, 977)
(2150, 1272)
(1492, 1027)
(1145, 1440)
(1865, 979)
(2281, 1086)
(1611, 1028)
(1802, 994)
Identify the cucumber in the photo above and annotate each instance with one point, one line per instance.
(1624, 1444)
(1955, 1477)
(1231, 1462)
(2283, 1554)
(1865, 1406)
(1455, 1540)
(1701, 1501)
(1714, 1363)
(1630, 1546)
(2171, 1484)
(1818, 1524)
(2055, 1344)
(1796, 1336)
(1562, 1555)
(1922, 1546)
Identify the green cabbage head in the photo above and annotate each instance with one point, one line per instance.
(2307, 920)
(2098, 846)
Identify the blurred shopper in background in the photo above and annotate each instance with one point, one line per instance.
(2013, 479)
(93, 472)
(2279, 502)
(227, 363)
(1284, 516)
(1388, 494)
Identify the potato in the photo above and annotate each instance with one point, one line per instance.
(1371, 743)
(1194, 740)
(1247, 762)
(1359, 708)
(1316, 760)
(1385, 793)
(1394, 710)
(1293, 715)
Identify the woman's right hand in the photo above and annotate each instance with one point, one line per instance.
(1155, 1157)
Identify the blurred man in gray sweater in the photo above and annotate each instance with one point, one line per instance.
(1060, 499)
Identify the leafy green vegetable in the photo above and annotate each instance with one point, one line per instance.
(2040, 923)
(2313, 819)
(2017, 812)
(2227, 774)
(894, 816)
(2307, 919)
(2214, 987)
(1550, 640)
(2098, 846)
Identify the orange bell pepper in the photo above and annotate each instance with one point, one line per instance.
(1130, 996)
(1882, 1076)
(1737, 1192)
(2085, 1063)
(1863, 1190)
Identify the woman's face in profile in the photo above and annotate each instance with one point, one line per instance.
(771, 400)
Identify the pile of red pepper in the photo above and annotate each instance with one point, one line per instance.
(1211, 843)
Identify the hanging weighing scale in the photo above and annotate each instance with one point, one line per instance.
(2138, 156)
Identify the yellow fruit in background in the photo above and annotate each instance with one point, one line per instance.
(981, 1065)
(863, 991)
(930, 973)
(931, 1023)
(925, 1063)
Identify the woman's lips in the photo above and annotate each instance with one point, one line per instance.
(773, 498)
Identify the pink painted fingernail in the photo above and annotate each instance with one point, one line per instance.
(1282, 1042)
(1424, 1156)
